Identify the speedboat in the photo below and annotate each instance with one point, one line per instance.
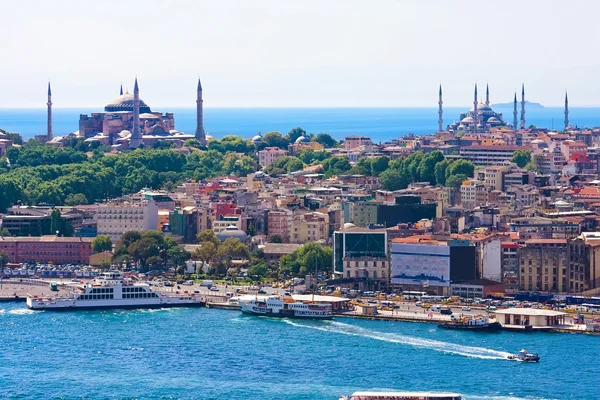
(524, 356)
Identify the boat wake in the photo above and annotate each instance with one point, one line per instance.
(21, 311)
(444, 347)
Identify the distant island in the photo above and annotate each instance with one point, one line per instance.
(528, 104)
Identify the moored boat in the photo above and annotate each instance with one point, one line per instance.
(284, 306)
(111, 290)
(475, 323)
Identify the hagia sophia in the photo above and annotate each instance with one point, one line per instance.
(128, 122)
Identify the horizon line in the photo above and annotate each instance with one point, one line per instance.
(292, 107)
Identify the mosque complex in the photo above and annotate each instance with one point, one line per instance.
(128, 122)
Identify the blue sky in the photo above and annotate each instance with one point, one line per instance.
(309, 53)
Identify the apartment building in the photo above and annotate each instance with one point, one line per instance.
(543, 265)
(116, 218)
(269, 154)
(309, 227)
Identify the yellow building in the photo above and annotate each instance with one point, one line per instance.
(309, 227)
(543, 265)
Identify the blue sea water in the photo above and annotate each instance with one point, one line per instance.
(380, 124)
(221, 354)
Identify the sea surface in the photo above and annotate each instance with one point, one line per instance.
(380, 124)
(221, 354)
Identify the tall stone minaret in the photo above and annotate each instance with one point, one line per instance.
(475, 114)
(515, 114)
(523, 106)
(49, 104)
(487, 95)
(440, 112)
(566, 111)
(136, 139)
(200, 134)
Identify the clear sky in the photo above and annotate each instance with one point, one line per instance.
(302, 53)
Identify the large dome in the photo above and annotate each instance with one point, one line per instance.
(232, 232)
(124, 102)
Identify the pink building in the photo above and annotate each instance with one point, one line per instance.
(353, 142)
(278, 224)
(269, 154)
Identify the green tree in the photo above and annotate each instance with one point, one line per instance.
(393, 179)
(193, 143)
(275, 239)
(13, 137)
(250, 229)
(102, 243)
(5, 232)
(177, 256)
(141, 250)
(440, 172)
(129, 237)
(3, 259)
(284, 165)
(56, 224)
(455, 180)
(460, 167)
(521, 158)
(258, 271)
(295, 134)
(336, 166)
(273, 139)
(326, 140)
(76, 199)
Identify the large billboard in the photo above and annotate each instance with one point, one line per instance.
(420, 264)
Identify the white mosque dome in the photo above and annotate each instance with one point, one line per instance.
(302, 139)
(467, 120)
(124, 133)
(257, 138)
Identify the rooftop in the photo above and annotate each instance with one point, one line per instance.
(530, 312)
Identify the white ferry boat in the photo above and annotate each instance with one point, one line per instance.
(402, 396)
(284, 306)
(110, 290)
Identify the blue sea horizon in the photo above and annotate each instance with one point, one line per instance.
(379, 123)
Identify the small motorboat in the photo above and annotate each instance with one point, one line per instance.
(524, 356)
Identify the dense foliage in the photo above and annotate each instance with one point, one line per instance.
(149, 250)
(424, 167)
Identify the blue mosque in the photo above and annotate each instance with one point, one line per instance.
(481, 117)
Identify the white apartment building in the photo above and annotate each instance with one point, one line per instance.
(472, 194)
(116, 218)
(488, 155)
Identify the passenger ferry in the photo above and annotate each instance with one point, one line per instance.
(284, 306)
(110, 290)
(402, 396)
(475, 323)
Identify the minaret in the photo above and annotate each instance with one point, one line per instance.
(566, 111)
(475, 114)
(121, 92)
(136, 135)
(523, 106)
(200, 134)
(487, 95)
(440, 111)
(49, 104)
(515, 114)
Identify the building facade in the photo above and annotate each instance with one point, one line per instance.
(47, 249)
(116, 218)
(543, 265)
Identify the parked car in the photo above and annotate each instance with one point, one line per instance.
(213, 288)
(261, 291)
(466, 308)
